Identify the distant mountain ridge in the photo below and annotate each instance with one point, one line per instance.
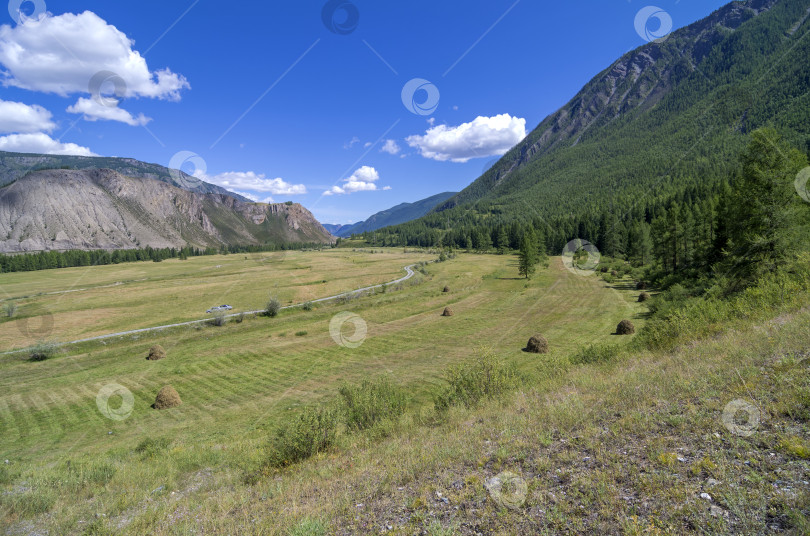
(15, 165)
(402, 213)
(103, 209)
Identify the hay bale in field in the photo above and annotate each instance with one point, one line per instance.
(641, 285)
(446, 289)
(537, 345)
(167, 398)
(643, 297)
(447, 312)
(614, 273)
(156, 352)
(625, 327)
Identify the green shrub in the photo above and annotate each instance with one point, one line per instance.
(308, 306)
(272, 308)
(371, 402)
(218, 319)
(151, 447)
(300, 333)
(10, 309)
(596, 353)
(240, 318)
(303, 435)
(681, 318)
(42, 351)
(485, 377)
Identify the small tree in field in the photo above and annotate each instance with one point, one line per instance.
(527, 257)
(272, 308)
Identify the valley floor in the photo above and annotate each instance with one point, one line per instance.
(626, 446)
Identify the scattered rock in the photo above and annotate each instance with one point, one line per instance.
(712, 482)
(716, 511)
(705, 496)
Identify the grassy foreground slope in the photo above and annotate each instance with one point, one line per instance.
(71, 467)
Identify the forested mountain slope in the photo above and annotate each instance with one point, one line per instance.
(665, 123)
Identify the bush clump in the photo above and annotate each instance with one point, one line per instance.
(643, 297)
(167, 398)
(42, 351)
(447, 312)
(372, 401)
(641, 285)
(537, 345)
(596, 353)
(156, 353)
(272, 308)
(303, 435)
(625, 327)
(485, 377)
(10, 309)
(219, 319)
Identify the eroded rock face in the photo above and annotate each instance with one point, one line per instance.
(102, 209)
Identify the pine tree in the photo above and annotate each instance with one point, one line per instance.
(527, 257)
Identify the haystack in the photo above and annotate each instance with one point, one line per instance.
(625, 327)
(446, 289)
(537, 345)
(156, 352)
(167, 398)
(641, 285)
(447, 312)
(643, 297)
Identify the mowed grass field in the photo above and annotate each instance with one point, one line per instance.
(77, 303)
(237, 380)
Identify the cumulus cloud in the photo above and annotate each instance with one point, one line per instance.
(349, 144)
(484, 136)
(94, 111)
(16, 117)
(61, 54)
(251, 181)
(41, 143)
(253, 197)
(390, 147)
(362, 180)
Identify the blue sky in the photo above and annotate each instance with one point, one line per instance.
(277, 105)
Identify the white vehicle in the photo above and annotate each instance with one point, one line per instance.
(219, 308)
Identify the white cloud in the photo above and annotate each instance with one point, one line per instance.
(362, 180)
(23, 118)
(61, 54)
(484, 136)
(41, 143)
(350, 144)
(251, 181)
(390, 147)
(254, 198)
(367, 145)
(93, 111)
